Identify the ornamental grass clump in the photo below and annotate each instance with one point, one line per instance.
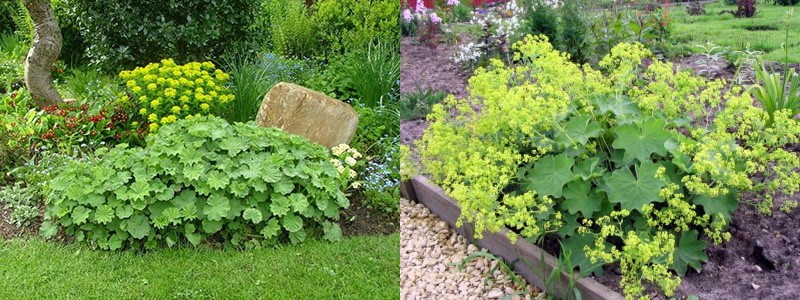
(203, 179)
(641, 166)
(166, 92)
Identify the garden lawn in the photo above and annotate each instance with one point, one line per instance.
(355, 268)
(725, 30)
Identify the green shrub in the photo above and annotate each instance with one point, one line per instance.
(572, 37)
(165, 92)
(462, 12)
(787, 2)
(197, 179)
(22, 202)
(123, 34)
(418, 105)
(347, 24)
(541, 18)
(292, 31)
(624, 164)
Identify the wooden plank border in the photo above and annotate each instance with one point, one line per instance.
(526, 259)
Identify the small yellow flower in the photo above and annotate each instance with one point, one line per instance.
(208, 65)
(137, 89)
(131, 83)
(350, 161)
(153, 127)
(152, 118)
(161, 80)
(199, 81)
(143, 111)
(152, 86)
(125, 74)
(155, 103)
(184, 99)
(212, 93)
(143, 99)
(175, 110)
(205, 106)
(170, 92)
(135, 124)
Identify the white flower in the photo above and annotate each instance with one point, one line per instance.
(452, 2)
(338, 150)
(353, 174)
(356, 184)
(350, 161)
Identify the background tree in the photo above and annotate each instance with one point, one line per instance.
(43, 53)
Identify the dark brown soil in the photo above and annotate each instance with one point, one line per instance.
(422, 69)
(359, 219)
(762, 259)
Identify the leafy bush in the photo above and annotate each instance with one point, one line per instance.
(123, 34)
(378, 136)
(418, 105)
(164, 92)
(292, 31)
(626, 165)
(198, 178)
(696, 9)
(67, 127)
(22, 202)
(462, 12)
(572, 37)
(347, 24)
(541, 18)
(12, 54)
(787, 2)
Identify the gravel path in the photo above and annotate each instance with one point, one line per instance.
(429, 253)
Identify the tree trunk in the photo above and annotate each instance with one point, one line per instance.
(43, 54)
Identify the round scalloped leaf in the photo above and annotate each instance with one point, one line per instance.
(216, 207)
(292, 222)
(138, 226)
(252, 215)
(550, 174)
(80, 214)
(104, 214)
(271, 229)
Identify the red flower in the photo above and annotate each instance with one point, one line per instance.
(13, 95)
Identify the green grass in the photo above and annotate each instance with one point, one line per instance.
(725, 30)
(355, 268)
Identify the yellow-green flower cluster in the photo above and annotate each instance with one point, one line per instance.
(166, 92)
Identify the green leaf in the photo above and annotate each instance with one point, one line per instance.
(588, 169)
(620, 106)
(48, 230)
(271, 229)
(104, 214)
(280, 205)
(292, 222)
(95, 200)
(194, 171)
(233, 145)
(640, 140)
(574, 245)
(579, 197)
(299, 202)
(172, 215)
(271, 173)
(218, 180)
(194, 238)
(332, 231)
(252, 215)
(723, 204)
(190, 156)
(240, 189)
(139, 190)
(634, 192)
(550, 174)
(211, 227)
(124, 211)
(284, 187)
(297, 237)
(690, 252)
(578, 130)
(80, 214)
(138, 226)
(217, 207)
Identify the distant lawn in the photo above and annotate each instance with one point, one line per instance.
(725, 30)
(355, 268)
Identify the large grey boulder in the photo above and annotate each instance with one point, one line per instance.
(313, 115)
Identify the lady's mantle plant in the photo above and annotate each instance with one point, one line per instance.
(199, 178)
(629, 165)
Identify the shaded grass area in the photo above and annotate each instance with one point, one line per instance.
(363, 267)
(765, 32)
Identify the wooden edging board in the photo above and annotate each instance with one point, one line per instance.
(527, 260)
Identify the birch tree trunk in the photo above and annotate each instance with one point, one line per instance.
(43, 53)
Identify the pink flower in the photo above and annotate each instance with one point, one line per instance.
(420, 6)
(407, 15)
(435, 19)
(452, 2)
